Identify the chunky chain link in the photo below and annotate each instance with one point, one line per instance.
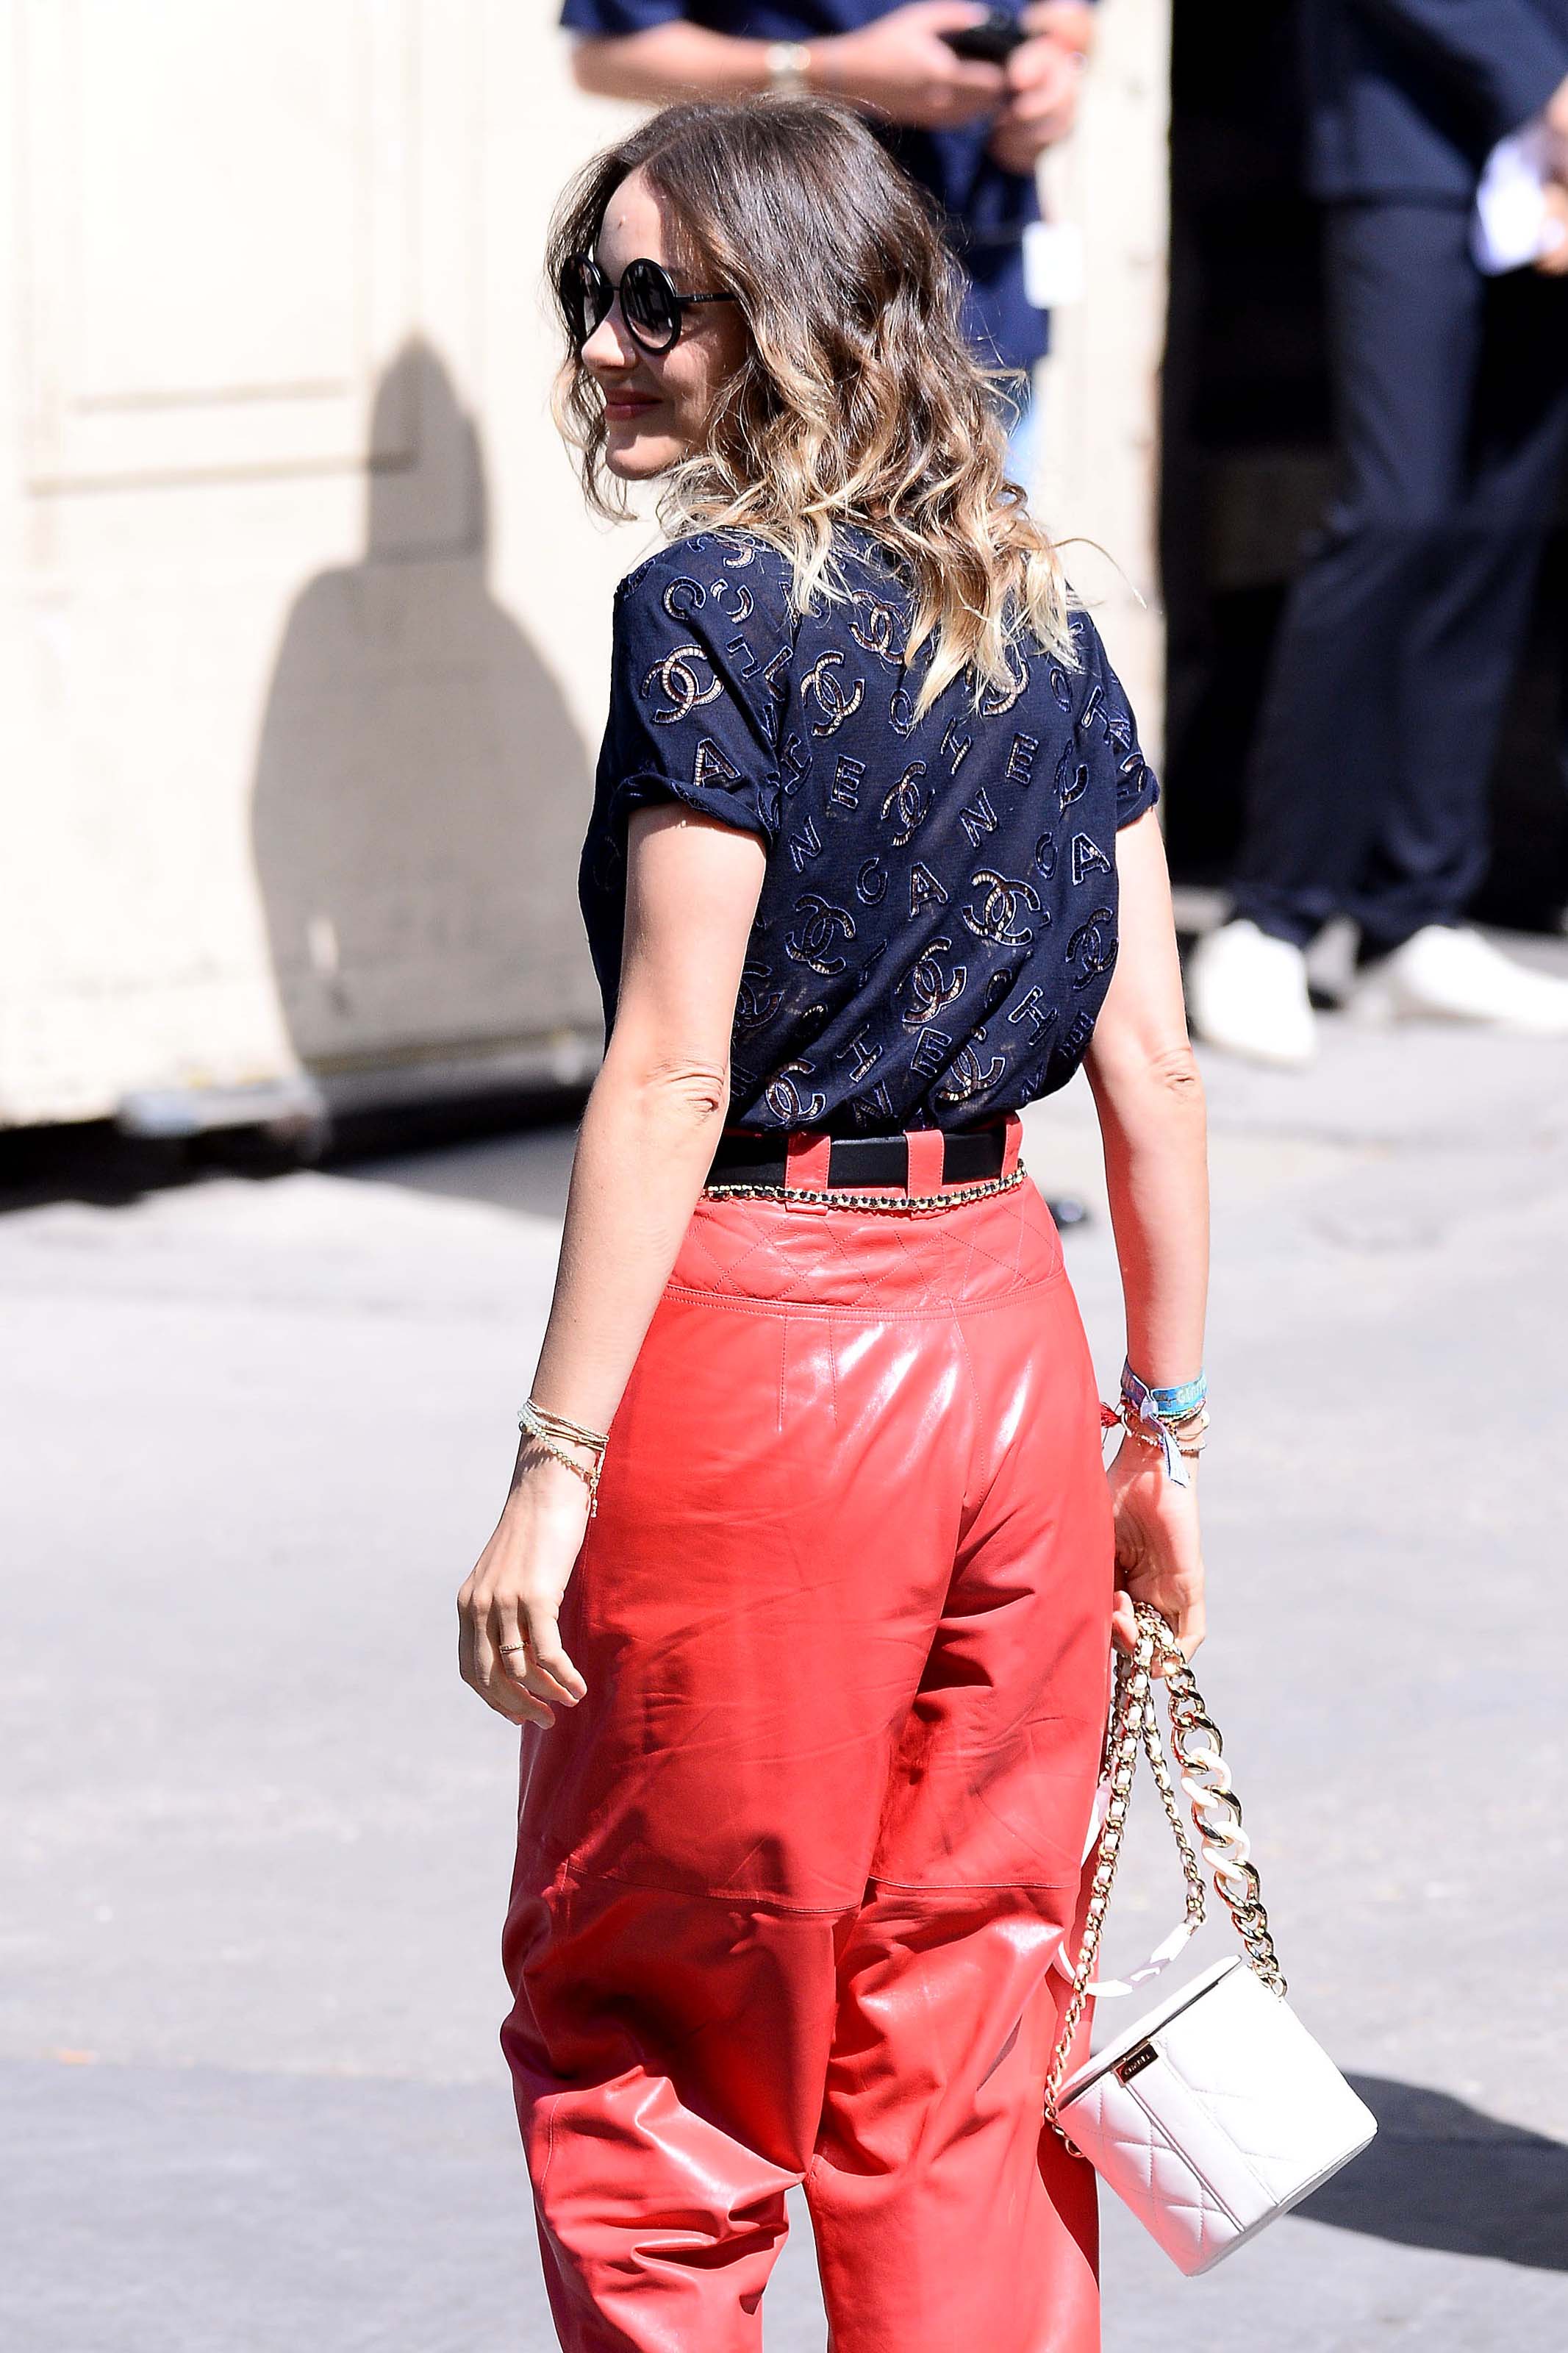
(1216, 1816)
(900, 1204)
(1216, 1813)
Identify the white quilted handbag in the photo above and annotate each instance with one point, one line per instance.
(1216, 2112)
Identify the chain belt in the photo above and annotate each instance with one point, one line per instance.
(899, 1204)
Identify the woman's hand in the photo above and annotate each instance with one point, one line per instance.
(1159, 1558)
(509, 1635)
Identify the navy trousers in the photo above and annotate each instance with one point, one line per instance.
(1367, 785)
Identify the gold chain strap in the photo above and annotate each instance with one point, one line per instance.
(921, 1204)
(1216, 1816)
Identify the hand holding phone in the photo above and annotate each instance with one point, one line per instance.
(908, 65)
(991, 42)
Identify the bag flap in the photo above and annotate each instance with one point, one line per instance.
(1148, 2024)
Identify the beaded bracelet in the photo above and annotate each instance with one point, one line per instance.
(557, 1425)
(548, 1430)
(1117, 1418)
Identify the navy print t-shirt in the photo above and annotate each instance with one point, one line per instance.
(937, 923)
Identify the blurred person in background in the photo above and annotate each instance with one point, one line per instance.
(970, 129)
(814, 1701)
(1367, 783)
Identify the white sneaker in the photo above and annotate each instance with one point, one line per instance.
(1248, 992)
(1448, 974)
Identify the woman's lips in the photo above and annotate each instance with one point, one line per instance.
(623, 405)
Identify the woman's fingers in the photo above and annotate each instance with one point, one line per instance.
(509, 1644)
(1181, 1610)
(1123, 1622)
(550, 1671)
(492, 1682)
(550, 1676)
(485, 1670)
(509, 1699)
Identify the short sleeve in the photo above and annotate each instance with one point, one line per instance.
(1105, 735)
(704, 642)
(609, 19)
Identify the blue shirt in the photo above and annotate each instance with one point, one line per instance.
(988, 208)
(937, 925)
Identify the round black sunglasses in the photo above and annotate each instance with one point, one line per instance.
(653, 311)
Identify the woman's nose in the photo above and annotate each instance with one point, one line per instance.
(609, 345)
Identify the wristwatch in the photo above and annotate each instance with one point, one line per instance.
(789, 66)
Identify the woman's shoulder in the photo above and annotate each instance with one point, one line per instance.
(1096, 706)
(702, 623)
(1093, 693)
(733, 570)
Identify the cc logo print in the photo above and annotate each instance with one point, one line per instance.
(680, 683)
(967, 1076)
(1091, 951)
(996, 917)
(907, 803)
(756, 1003)
(902, 711)
(1002, 698)
(876, 634)
(784, 1098)
(825, 686)
(738, 589)
(930, 986)
(683, 596)
(814, 940)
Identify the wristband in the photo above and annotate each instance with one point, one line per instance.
(1160, 1413)
(1171, 1404)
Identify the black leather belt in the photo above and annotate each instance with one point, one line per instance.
(857, 1162)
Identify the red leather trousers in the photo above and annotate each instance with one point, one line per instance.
(790, 1879)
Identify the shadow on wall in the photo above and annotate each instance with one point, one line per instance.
(1440, 2174)
(420, 788)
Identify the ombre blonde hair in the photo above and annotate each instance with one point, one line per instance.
(859, 400)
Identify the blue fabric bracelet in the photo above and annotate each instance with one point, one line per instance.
(1157, 1409)
(1171, 1405)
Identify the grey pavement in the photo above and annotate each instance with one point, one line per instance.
(256, 1836)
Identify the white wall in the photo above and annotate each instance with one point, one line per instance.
(294, 750)
(1101, 383)
(302, 630)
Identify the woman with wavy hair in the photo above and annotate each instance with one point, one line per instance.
(804, 1586)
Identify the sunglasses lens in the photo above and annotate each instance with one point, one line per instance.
(647, 301)
(585, 296)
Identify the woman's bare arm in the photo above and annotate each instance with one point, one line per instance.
(652, 1120)
(1150, 1099)
(659, 1105)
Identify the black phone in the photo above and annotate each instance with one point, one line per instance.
(991, 42)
